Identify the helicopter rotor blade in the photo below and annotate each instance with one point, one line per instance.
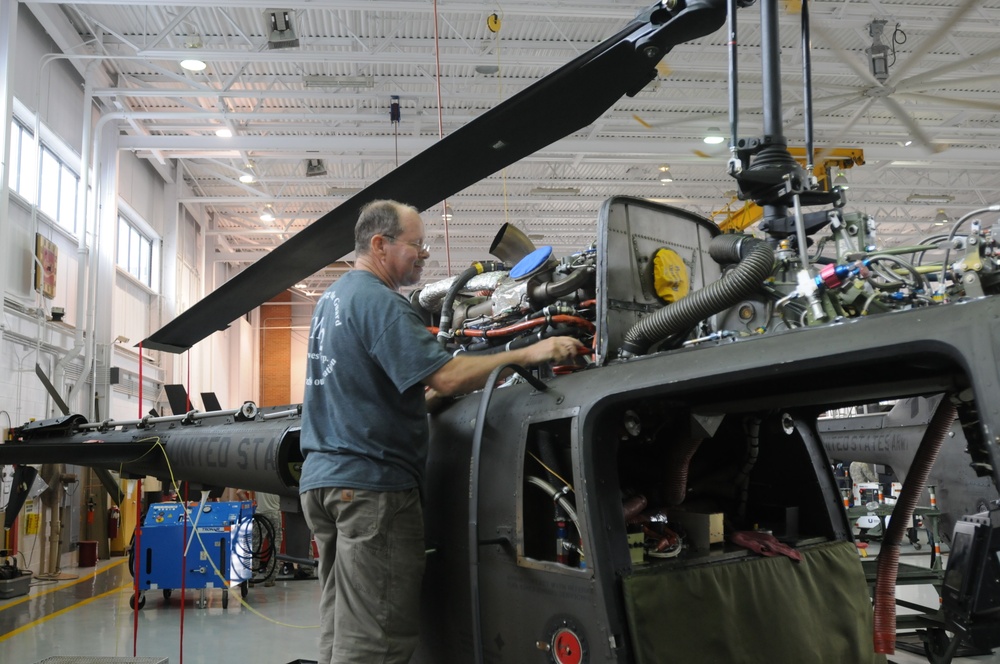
(51, 389)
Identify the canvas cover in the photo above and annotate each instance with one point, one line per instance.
(754, 610)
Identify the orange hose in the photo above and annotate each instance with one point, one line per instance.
(884, 618)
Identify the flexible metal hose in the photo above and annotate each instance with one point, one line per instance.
(448, 306)
(735, 285)
(884, 619)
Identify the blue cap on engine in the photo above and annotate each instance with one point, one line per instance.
(531, 262)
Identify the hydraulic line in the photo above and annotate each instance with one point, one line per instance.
(884, 621)
(474, 465)
(738, 283)
(558, 496)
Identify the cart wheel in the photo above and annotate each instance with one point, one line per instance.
(244, 589)
(166, 593)
(142, 601)
(916, 546)
(225, 599)
(936, 646)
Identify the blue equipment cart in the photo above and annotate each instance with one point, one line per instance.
(215, 554)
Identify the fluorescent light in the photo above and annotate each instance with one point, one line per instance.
(555, 191)
(930, 198)
(193, 65)
(246, 178)
(224, 132)
(317, 81)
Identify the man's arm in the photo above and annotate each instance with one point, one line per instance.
(467, 372)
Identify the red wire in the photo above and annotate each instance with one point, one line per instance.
(138, 554)
(136, 551)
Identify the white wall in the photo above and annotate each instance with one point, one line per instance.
(121, 306)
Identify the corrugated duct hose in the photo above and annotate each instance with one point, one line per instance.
(448, 305)
(884, 625)
(756, 260)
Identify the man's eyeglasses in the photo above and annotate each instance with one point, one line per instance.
(419, 246)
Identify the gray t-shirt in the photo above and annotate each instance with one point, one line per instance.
(364, 417)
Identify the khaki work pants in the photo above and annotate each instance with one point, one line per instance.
(371, 565)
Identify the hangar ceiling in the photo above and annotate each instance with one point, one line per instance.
(932, 129)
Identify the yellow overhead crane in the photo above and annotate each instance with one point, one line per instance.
(826, 160)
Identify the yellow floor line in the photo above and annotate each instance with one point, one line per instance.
(58, 586)
(85, 602)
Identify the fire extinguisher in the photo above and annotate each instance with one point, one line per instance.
(114, 518)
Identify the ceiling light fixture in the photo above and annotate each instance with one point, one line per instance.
(246, 178)
(281, 28)
(448, 213)
(267, 216)
(930, 198)
(841, 180)
(192, 64)
(487, 70)
(714, 136)
(665, 174)
(878, 52)
(941, 218)
(315, 168)
(224, 132)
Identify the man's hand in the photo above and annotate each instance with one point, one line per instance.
(555, 349)
(435, 400)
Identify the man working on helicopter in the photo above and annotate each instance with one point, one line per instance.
(365, 436)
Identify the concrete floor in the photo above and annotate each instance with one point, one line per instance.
(89, 616)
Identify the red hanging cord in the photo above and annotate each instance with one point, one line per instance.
(437, 64)
(137, 531)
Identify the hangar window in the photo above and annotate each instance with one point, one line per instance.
(57, 194)
(136, 252)
(43, 177)
(24, 163)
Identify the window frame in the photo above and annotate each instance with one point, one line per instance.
(146, 274)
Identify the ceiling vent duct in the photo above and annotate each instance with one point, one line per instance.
(315, 168)
(280, 28)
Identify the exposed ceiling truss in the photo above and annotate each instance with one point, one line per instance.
(931, 125)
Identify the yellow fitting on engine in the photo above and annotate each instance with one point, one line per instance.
(670, 275)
